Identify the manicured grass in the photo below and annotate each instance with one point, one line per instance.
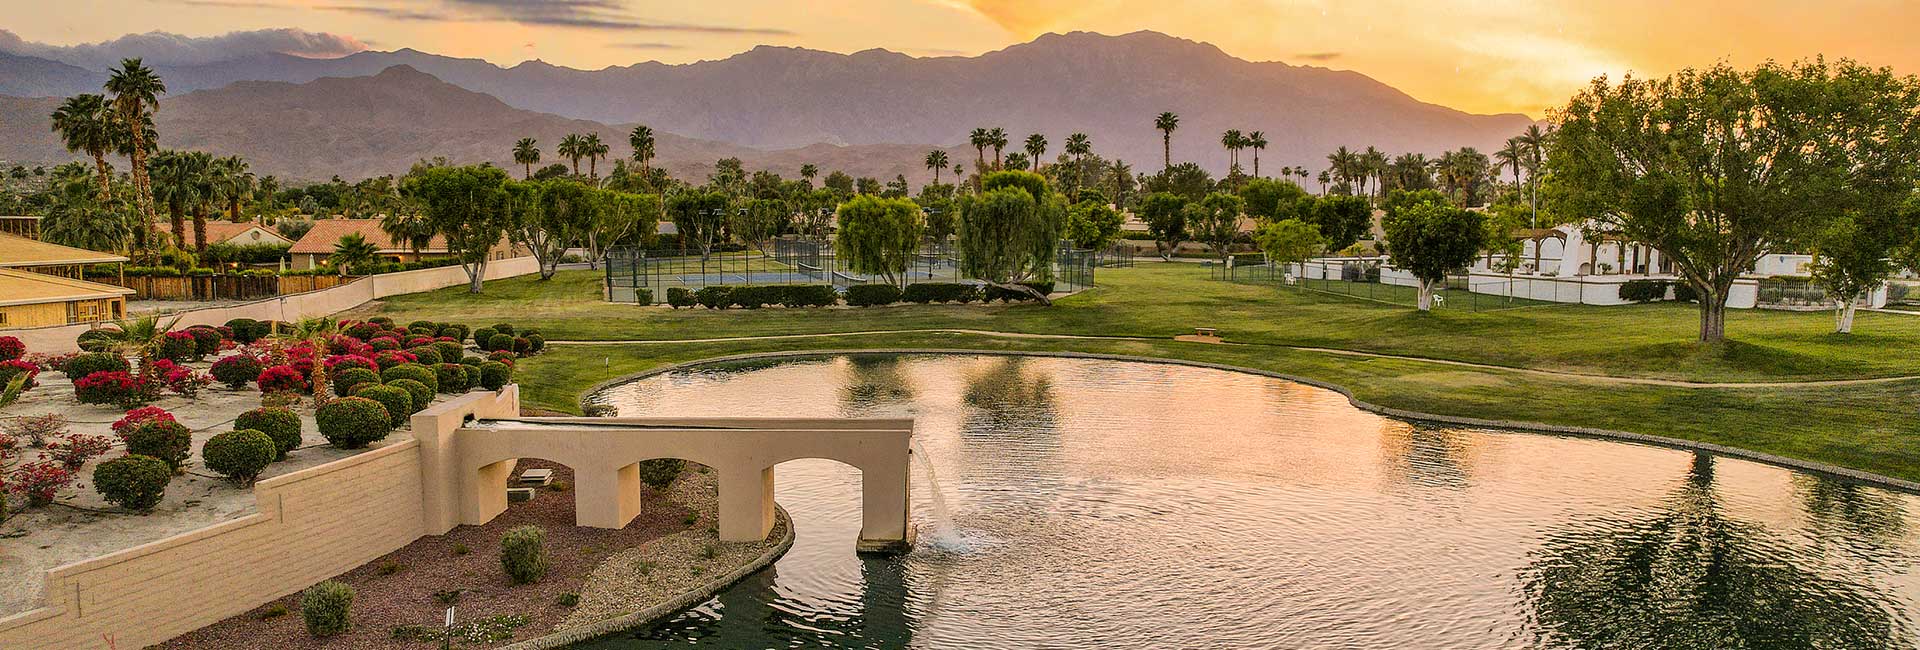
(1164, 300)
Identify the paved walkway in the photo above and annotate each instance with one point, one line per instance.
(1556, 374)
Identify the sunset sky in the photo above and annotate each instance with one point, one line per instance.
(1476, 55)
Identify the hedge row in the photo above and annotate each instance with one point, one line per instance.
(755, 296)
(865, 295)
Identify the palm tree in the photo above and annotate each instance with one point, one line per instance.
(207, 189)
(317, 332)
(236, 184)
(997, 137)
(642, 140)
(136, 96)
(526, 152)
(808, 171)
(573, 148)
(1079, 146)
(936, 161)
(353, 252)
(175, 186)
(1036, 147)
(86, 125)
(980, 140)
(1512, 156)
(1303, 174)
(593, 149)
(1166, 122)
(408, 226)
(140, 338)
(1534, 143)
(1256, 140)
(1323, 183)
(1232, 141)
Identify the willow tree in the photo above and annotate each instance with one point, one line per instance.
(1716, 167)
(878, 236)
(1010, 233)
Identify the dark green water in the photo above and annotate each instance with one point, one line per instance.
(1101, 504)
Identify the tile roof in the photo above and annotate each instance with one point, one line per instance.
(29, 288)
(20, 252)
(224, 231)
(327, 232)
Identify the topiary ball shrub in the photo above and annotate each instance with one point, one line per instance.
(282, 379)
(661, 472)
(396, 400)
(474, 363)
(361, 330)
(678, 297)
(88, 363)
(382, 321)
(95, 340)
(450, 352)
(391, 358)
(354, 422)
(176, 346)
(500, 343)
(537, 342)
(718, 297)
(246, 330)
(503, 328)
(523, 554)
(11, 348)
(165, 439)
(239, 455)
(452, 377)
(327, 608)
(872, 295)
(422, 325)
(495, 375)
(503, 356)
(278, 422)
(206, 341)
(422, 394)
(453, 331)
(482, 336)
(238, 370)
(522, 345)
(384, 343)
(115, 387)
(341, 362)
(425, 355)
(345, 380)
(414, 371)
(133, 481)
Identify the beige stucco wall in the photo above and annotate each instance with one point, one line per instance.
(300, 305)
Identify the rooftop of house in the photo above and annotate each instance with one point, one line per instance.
(28, 288)
(327, 232)
(20, 252)
(226, 231)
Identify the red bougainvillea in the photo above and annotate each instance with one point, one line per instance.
(108, 387)
(134, 417)
(280, 379)
(77, 449)
(390, 358)
(340, 362)
(11, 348)
(39, 481)
(14, 367)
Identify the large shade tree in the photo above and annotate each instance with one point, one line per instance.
(1166, 218)
(1010, 233)
(699, 216)
(1429, 238)
(1215, 221)
(468, 207)
(1716, 167)
(878, 236)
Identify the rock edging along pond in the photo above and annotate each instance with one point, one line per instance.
(1536, 427)
(695, 596)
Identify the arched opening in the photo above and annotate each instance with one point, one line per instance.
(839, 500)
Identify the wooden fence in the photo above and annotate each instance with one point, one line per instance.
(221, 287)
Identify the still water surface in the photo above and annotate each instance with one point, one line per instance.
(1108, 504)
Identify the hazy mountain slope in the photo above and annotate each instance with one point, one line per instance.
(27, 76)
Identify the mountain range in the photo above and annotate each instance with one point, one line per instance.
(871, 113)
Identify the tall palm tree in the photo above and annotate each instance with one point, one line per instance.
(1341, 163)
(236, 183)
(1166, 122)
(593, 149)
(1232, 141)
(997, 137)
(1511, 156)
(175, 185)
(209, 191)
(1303, 174)
(136, 96)
(980, 140)
(808, 171)
(1256, 140)
(527, 153)
(1036, 147)
(1534, 143)
(642, 140)
(1079, 146)
(573, 148)
(86, 124)
(1323, 182)
(936, 161)
(1373, 164)
(408, 226)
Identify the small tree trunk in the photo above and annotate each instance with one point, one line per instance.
(1425, 300)
(476, 275)
(1713, 316)
(1844, 316)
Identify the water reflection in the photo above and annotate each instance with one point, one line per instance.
(1687, 576)
(1117, 505)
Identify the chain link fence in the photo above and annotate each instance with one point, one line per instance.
(1363, 280)
(791, 261)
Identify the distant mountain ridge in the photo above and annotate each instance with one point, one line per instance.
(1109, 87)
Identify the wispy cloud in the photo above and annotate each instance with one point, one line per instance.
(391, 13)
(649, 46)
(163, 48)
(1317, 56)
(580, 14)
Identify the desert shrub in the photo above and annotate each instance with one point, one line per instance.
(345, 380)
(239, 455)
(397, 401)
(450, 352)
(930, 292)
(482, 336)
(165, 439)
(660, 472)
(1643, 290)
(206, 340)
(341, 362)
(362, 330)
(535, 342)
(678, 297)
(247, 330)
(40, 481)
(134, 417)
(95, 340)
(382, 321)
(280, 424)
(282, 379)
(500, 343)
(75, 450)
(11, 348)
(870, 295)
(114, 387)
(503, 328)
(414, 371)
(522, 346)
(384, 343)
(391, 358)
(454, 331)
(85, 364)
(503, 356)
(425, 355)
(354, 422)
(133, 481)
(474, 363)
(326, 608)
(523, 554)
(423, 325)
(176, 346)
(809, 295)
(494, 375)
(237, 370)
(14, 367)
(1684, 292)
(714, 297)
(422, 394)
(452, 377)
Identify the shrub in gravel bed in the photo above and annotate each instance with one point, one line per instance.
(425, 354)
(341, 362)
(523, 554)
(82, 365)
(503, 328)
(238, 370)
(500, 342)
(176, 346)
(346, 380)
(422, 394)
(396, 400)
(494, 375)
(354, 422)
(392, 358)
(206, 341)
(95, 340)
(522, 345)
(239, 455)
(414, 371)
(326, 608)
(165, 439)
(452, 378)
(11, 348)
(282, 379)
(115, 387)
(482, 336)
(473, 362)
(279, 423)
(450, 352)
(133, 481)
(660, 472)
(11, 368)
(537, 342)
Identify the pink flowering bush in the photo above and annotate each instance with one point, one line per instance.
(236, 371)
(282, 379)
(74, 452)
(138, 416)
(11, 348)
(384, 343)
(180, 379)
(15, 367)
(341, 362)
(39, 481)
(116, 387)
(390, 358)
(177, 345)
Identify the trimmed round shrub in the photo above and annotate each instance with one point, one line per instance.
(521, 345)
(678, 297)
(165, 439)
(341, 362)
(661, 472)
(453, 331)
(452, 377)
(500, 343)
(176, 346)
(282, 379)
(354, 422)
(247, 330)
(422, 394)
(481, 336)
(473, 362)
(345, 380)
(872, 295)
(537, 342)
(495, 375)
(239, 455)
(11, 348)
(417, 372)
(115, 387)
(503, 356)
(382, 321)
(327, 608)
(133, 481)
(523, 554)
(503, 328)
(278, 422)
(425, 355)
(206, 340)
(391, 358)
(384, 343)
(450, 352)
(423, 325)
(95, 340)
(361, 330)
(82, 365)
(238, 370)
(396, 400)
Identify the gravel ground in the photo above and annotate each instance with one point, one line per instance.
(399, 588)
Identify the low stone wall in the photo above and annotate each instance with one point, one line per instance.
(300, 305)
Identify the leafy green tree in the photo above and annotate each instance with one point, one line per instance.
(1215, 221)
(937, 202)
(1716, 167)
(1186, 180)
(1270, 200)
(699, 216)
(1430, 238)
(764, 220)
(1166, 218)
(1341, 219)
(878, 236)
(622, 218)
(1093, 225)
(547, 217)
(1007, 235)
(1289, 241)
(468, 207)
(1855, 254)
